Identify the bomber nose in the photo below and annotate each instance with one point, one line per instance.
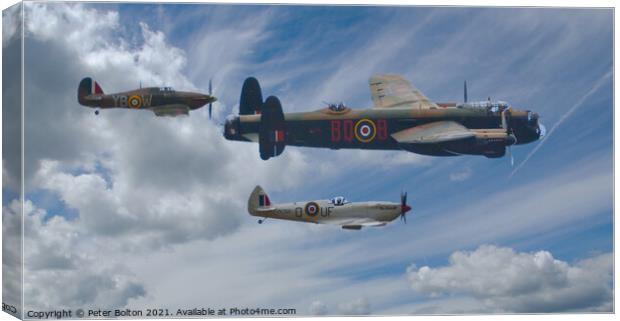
(542, 130)
(532, 117)
(534, 123)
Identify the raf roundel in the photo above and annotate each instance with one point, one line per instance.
(365, 130)
(135, 101)
(312, 209)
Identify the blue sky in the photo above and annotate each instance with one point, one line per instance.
(186, 191)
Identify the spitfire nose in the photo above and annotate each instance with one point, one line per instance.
(405, 208)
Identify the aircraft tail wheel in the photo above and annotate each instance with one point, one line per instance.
(260, 221)
(96, 112)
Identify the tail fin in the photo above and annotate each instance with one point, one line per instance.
(251, 101)
(272, 129)
(88, 87)
(258, 200)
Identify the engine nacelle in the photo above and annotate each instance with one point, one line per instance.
(494, 137)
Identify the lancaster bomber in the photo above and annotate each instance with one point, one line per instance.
(336, 211)
(402, 118)
(163, 101)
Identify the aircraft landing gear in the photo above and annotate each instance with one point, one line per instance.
(97, 112)
(262, 220)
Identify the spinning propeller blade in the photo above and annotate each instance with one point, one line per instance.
(210, 94)
(509, 131)
(404, 208)
(465, 91)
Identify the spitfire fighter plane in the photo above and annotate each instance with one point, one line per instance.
(401, 118)
(163, 101)
(336, 211)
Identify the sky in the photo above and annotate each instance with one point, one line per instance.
(126, 209)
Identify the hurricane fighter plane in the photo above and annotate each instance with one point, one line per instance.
(402, 118)
(163, 101)
(335, 211)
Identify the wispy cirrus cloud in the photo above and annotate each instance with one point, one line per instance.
(152, 193)
(461, 175)
(602, 81)
(314, 271)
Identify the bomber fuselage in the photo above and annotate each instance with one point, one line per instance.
(373, 128)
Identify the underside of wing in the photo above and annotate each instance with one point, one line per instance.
(435, 132)
(253, 137)
(358, 223)
(171, 110)
(395, 91)
(374, 224)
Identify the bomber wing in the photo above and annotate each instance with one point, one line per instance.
(171, 110)
(395, 91)
(435, 132)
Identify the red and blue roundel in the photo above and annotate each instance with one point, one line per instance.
(365, 130)
(312, 209)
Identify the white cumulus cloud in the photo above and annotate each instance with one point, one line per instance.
(137, 182)
(503, 280)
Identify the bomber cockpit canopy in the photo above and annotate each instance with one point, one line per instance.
(493, 106)
(337, 107)
(339, 200)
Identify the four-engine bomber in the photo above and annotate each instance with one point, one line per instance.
(401, 118)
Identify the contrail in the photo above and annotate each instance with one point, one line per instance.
(578, 104)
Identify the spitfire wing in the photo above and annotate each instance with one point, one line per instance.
(435, 132)
(395, 91)
(358, 223)
(171, 110)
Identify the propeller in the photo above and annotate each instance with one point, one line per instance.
(404, 208)
(210, 94)
(509, 132)
(465, 91)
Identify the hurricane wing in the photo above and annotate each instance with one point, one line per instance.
(171, 110)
